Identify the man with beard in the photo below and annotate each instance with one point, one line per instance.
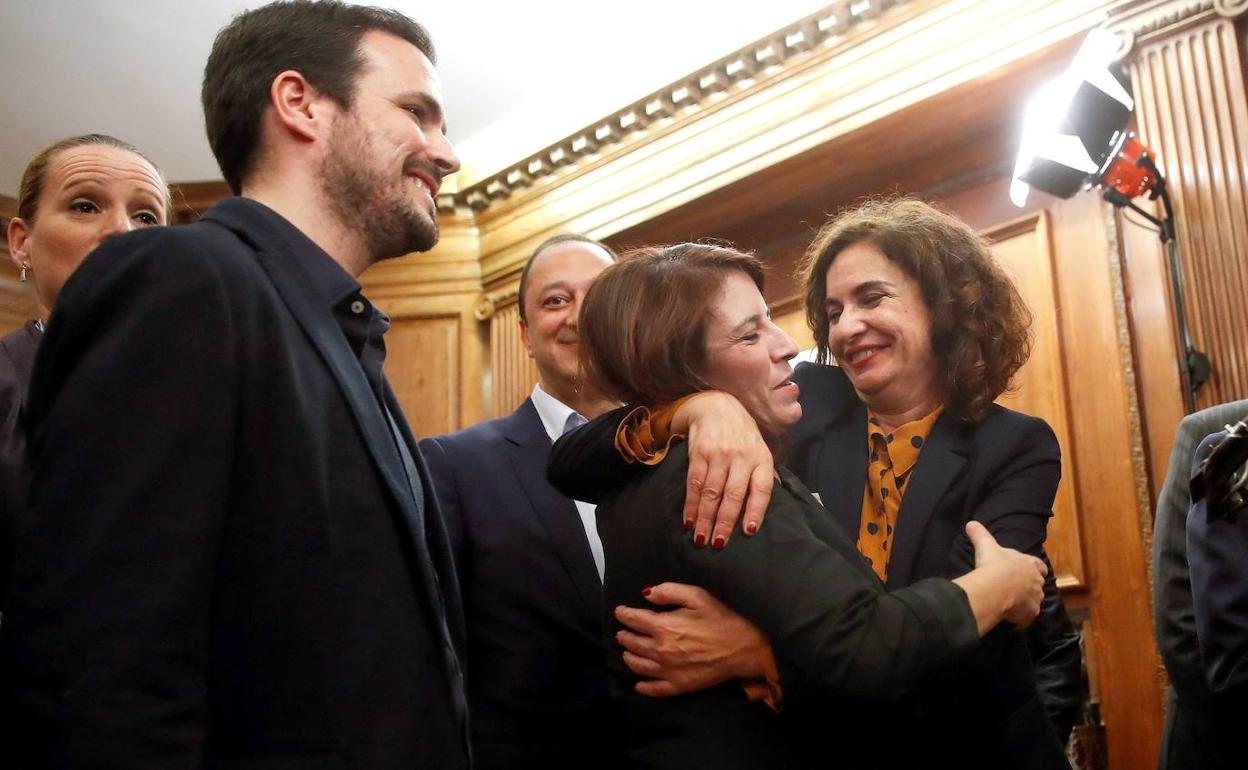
(529, 559)
(233, 556)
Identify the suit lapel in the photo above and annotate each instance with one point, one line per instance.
(529, 451)
(824, 526)
(326, 337)
(841, 467)
(940, 462)
(435, 538)
(290, 278)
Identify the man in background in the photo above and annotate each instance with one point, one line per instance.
(529, 559)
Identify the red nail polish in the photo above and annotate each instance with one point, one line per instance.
(646, 591)
(689, 525)
(751, 527)
(699, 540)
(720, 540)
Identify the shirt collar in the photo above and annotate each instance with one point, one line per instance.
(553, 412)
(906, 441)
(328, 281)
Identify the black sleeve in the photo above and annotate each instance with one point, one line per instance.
(1053, 642)
(1018, 504)
(131, 419)
(840, 631)
(584, 464)
(1217, 551)
(1174, 619)
(442, 472)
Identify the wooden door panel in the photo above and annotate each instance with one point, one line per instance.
(1024, 250)
(512, 371)
(422, 364)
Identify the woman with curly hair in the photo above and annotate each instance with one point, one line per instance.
(902, 443)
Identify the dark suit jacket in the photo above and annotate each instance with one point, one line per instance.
(1003, 472)
(17, 359)
(537, 682)
(224, 564)
(801, 581)
(1217, 552)
(1190, 738)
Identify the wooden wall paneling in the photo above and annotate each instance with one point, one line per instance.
(1154, 342)
(436, 354)
(1023, 248)
(514, 373)
(790, 315)
(191, 199)
(422, 364)
(1107, 443)
(1192, 111)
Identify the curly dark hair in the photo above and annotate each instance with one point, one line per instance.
(981, 328)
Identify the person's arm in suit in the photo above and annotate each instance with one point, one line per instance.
(1053, 642)
(1174, 619)
(446, 486)
(584, 464)
(1217, 551)
(854, 641)
(1020, 488)
(132, 418)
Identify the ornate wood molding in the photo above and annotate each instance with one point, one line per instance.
(1158, 18)
(494, 301)
(755, 64)
(1230, 9)
(1126, 357)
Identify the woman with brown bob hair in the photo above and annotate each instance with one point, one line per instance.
(903, 444)
(666, 323)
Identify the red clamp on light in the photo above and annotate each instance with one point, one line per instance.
(1125, 172)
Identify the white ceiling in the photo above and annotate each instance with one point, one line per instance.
(516, 75)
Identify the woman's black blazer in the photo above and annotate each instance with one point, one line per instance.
(823, 609)
(1002, 471)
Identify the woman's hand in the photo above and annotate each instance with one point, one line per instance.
(729, 466)
(700, 644)
(1005, 584)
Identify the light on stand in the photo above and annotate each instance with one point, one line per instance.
(1075, 138)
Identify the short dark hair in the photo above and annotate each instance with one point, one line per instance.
(36, 172)
(319, 39)
(981, 327)
(551, 241)
(643, 321)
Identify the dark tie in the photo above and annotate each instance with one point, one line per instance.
(573, 422)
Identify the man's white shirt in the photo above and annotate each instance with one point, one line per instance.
(555, 416)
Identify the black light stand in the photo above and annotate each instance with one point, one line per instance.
(1195, 367)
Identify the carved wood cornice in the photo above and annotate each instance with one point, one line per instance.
(493, 301)
(754, 65)
(1140, 22)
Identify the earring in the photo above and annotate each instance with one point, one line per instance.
(25, 267)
